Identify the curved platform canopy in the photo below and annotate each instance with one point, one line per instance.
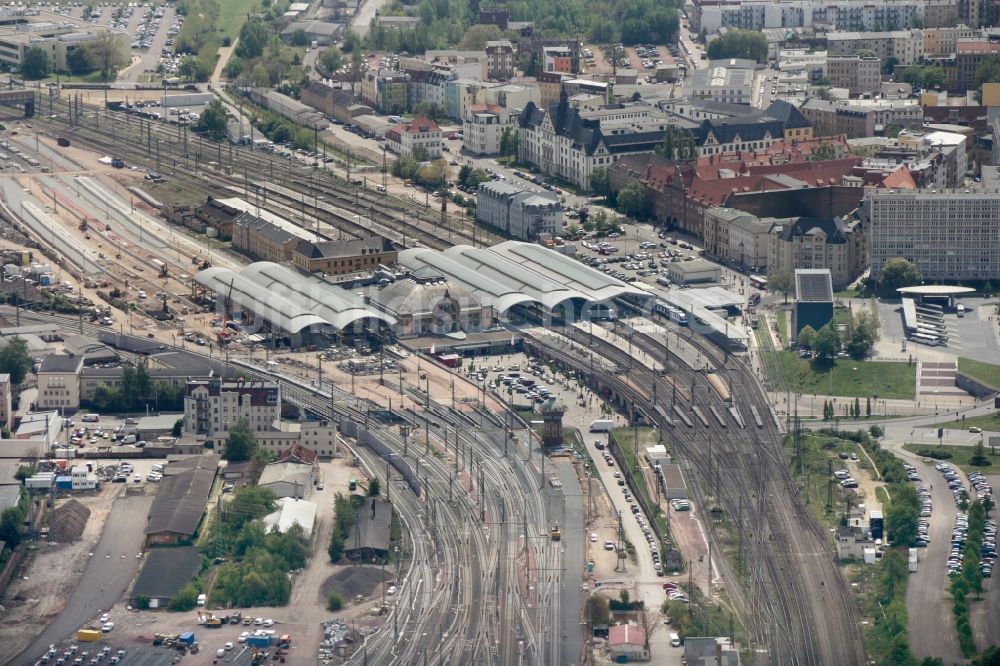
(514, 273)
(488, 291)
(290, 300)
(939, 290)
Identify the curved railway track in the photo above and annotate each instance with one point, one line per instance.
(794, 600)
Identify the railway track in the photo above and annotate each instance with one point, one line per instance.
(794, 600)
(189, 159)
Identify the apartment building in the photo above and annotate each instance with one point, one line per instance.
(213, 406)
(969, 55)
(836, 244)
(756, 131)
(499, 60)
(861, 117)
(942, 42)
(950, 235)
(860, 75)
(484, 125)
(405, 138)
(385, 90)
(340, 105)
(518, 212)
(757, 15)
(59, 382)
(557, 59)
(906, 46)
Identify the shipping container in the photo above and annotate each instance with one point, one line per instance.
(258, 641)
(187, 637)
(88, 635)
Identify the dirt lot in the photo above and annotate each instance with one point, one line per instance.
(52, 573)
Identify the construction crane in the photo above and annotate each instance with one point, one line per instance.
(225, 333)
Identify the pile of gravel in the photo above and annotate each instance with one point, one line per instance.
(352, 581)
(68, 521)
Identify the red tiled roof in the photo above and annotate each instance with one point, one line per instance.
(713, 192)
(419, 125)
(297, 454)
(626, 634)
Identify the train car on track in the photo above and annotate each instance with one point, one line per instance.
(719, 386)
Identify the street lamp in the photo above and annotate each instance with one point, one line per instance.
(319, 383)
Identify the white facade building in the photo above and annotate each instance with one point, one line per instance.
(405, 138)
(213, 406)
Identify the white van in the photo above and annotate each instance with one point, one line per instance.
(960, 309)
(128, 439)
(90, 418)
(675, 640)
(202, 598)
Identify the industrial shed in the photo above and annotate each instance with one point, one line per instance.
(287, 479)
(164, 573)
(290, 302)
(292, 512)
(369, 537)
(180, 504)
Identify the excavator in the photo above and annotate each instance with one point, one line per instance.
(208, 619)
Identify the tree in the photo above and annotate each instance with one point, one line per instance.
(678, 144)
(331, 59)
(857, 407)
(10, 526)
(739, 44)
(988, 71)
(598, 612)
(889, 64)
(35, 64)
(193, 68)
(14, 360)
(178, 428)
(510, 140)
(978, 458)
(632, 200)
(650, 621)
(599, 182)
(827, 341)
(108, 55)
(254, 35)
(213, 121)
(79, 61)
(868, 407)
(374, 488)
(351, 42)
(807, 336)
(824, 151)
(902, 516)
(299, 38)
(863, 336)
(893, 130)
(334, 602)
(897, 273)
(241, 442)
(782, 281)
(476, 36)
(929, 76)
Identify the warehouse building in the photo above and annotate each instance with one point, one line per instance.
(179, 507)
(164, 573)
(287, 479)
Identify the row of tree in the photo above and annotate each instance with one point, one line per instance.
(137, 392)
(431, 175)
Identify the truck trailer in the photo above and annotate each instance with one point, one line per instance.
(602, 425)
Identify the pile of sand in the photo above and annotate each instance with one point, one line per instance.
(68, 522)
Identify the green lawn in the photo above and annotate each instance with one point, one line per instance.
(782, 318)
(989, 422)
(987, 373)
(959, 456)
(850, 378)
(233, 14)
(847, 293)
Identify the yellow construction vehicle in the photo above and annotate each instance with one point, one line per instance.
(556, 534)
(208, 619)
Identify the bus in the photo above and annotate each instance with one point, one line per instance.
(930, 341)
(352, 485)
(758, 282)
